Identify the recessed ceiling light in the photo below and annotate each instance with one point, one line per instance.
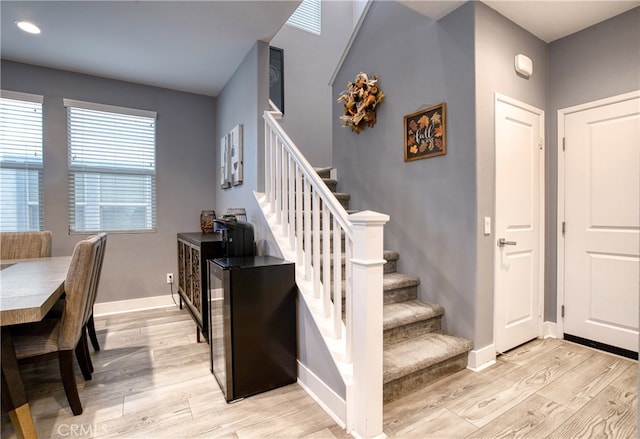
(27, 26)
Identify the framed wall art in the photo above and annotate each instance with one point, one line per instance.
(235, 142)
(225, 176)
(425, 133)
(276, 77)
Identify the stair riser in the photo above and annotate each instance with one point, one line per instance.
(331, 184)
(390, 266)
(422, 378)
(400, 294)
(416, 329)
(324, 172)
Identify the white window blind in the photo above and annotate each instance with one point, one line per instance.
(112, 168)
(21, 207)
(307, 16)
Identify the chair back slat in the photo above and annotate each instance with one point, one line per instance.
(25, 245)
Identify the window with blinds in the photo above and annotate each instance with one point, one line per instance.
(112, 168)
(21, 207)
(307, 16)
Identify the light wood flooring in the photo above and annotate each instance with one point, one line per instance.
(152, 380)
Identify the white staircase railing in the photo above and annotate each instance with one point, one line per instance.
(337, 256)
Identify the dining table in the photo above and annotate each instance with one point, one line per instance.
(28, 290)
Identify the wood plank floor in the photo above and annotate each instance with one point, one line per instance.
(152, 380)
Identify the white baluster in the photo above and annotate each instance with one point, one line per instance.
(307, 229)
(299, 231)
(315, 230)
(337, 279)
(326, 261)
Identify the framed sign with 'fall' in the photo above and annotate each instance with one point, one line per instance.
(424, 133)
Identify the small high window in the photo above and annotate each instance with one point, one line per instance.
(307, 16)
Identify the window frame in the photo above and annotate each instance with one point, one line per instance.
(23, 163)
(105, 171)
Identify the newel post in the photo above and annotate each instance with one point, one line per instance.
(367, 272)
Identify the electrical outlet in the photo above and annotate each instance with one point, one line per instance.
(169, 278)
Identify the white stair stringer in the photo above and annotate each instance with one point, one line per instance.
(336, 346)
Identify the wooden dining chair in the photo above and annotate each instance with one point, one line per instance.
(50, 338)
(25, 245)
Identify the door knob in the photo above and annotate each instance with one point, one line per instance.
(502, 242)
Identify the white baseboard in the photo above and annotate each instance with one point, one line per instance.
(550, 330)
(330, 401)
(143, 303)
(480, 359)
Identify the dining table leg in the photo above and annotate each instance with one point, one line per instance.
(13, 392)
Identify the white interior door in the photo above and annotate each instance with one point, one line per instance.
(602, 222)
(519, 134)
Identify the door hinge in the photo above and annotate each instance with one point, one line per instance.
(562, 311)
(564, 227)
(563, 143)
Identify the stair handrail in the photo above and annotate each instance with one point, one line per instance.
(334, 205)
(291, 188)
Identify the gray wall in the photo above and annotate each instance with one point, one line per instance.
(240, 102)
(309, 63)
(135, 264)
(497, 42)
(431, 202)
(598, 62)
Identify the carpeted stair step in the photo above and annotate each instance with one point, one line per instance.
(343, 198)
(414, 363)
(411, 318)
(399, 287)
(331, 184)
(324, 172)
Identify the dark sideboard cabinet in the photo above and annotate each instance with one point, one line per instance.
(193, 251)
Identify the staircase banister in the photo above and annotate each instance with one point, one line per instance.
(277, 114)
(339, 212)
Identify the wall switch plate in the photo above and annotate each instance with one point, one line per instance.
(487, 225)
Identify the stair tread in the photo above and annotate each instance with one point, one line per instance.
(418, 353)
(410, 311)
(342, 195)
(395, 280)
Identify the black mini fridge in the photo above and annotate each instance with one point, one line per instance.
(252, 324)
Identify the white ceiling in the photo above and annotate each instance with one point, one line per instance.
(549, 20)
(192, 46)
(195, 46)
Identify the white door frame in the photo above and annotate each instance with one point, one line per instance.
(561, 186)
(541, 219)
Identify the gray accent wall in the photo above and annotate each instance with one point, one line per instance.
(431, 202)
(596, 63)
(135, 263)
